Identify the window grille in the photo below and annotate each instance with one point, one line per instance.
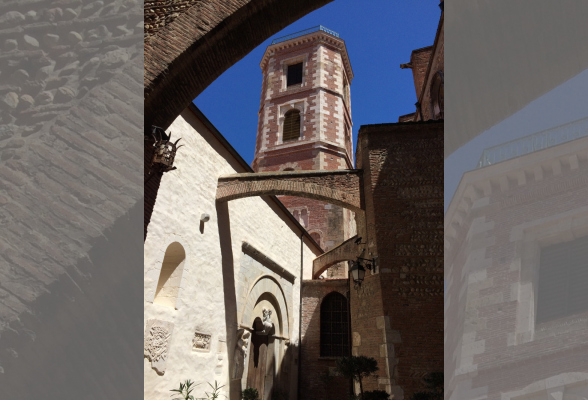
(563, 280)
(291, 125)
(334, 326)
(294, 74)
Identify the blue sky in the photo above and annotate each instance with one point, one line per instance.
(379, 35)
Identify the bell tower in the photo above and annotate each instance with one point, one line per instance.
(305, 123)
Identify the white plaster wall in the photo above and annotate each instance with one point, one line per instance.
(184, 195)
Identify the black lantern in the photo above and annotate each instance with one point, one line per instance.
(357, 273)
(358, 269)
(165, 150)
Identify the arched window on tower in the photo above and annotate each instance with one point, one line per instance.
(304, 218)
(437, 100)
(334, 326)
(317, 238)
(291, 125)
(170, 276)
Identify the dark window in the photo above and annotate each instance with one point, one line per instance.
(294, 74)
(563, 280)
(292, 125)
(334, 326)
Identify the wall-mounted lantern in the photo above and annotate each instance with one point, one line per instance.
(358, 269)
(164, 154)
(165, 149)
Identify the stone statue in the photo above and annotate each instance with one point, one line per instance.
(241, 352)
(267, 322)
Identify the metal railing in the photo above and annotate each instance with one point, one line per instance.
(535, 142)
(305, 32)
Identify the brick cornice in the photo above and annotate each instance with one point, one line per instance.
(319, 37)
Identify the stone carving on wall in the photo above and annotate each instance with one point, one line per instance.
(156, 345)
(201, 342)
(267, 322)
(241, 352)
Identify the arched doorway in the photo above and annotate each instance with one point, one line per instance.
(260, 374)
(266, 365)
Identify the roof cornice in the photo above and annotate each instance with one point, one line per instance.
(319, 37)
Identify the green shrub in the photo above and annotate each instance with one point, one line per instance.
(184, 390)
(376, 395)
(250, 394)
(187, 387)
(357, 368)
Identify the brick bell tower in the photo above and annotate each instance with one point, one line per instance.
(305, 124)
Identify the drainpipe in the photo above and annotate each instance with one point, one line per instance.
(300, 313)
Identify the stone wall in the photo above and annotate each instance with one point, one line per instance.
(397, 315)
(497, 223)
(248, 248)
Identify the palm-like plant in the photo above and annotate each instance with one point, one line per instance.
(215, 391)
(184, 391)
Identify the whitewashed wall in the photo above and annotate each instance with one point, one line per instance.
(184, 195)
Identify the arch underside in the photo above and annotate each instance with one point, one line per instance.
(201, 42)
(338, 187)
(332, 198)
(346, 251)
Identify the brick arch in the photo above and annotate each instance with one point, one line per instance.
(189, 43)
(339, 187)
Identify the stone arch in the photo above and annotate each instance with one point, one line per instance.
(339, 187)
(346, 251)
(268, 286)
(170, 276)
(187, 46)
(290, 166)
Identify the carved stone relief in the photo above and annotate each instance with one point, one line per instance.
(156, 346)
(201, 342)
(241, 352)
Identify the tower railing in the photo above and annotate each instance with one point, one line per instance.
(305, 32)
(534, 142)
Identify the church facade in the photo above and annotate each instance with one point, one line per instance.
(211, 269)
(283, 336)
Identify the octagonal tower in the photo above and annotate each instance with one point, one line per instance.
(305, 123)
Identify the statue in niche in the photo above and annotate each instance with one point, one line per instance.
(267, 322)
(241, 352)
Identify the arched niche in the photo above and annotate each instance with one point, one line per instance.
(266, 289)
(170, 277)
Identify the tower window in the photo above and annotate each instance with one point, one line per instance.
(291, 125)
(563, 279)
(294, 74)
(334, 326)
